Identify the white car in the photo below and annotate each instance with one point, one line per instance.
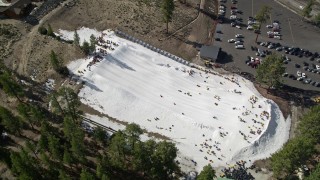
(270, 47)
(240, 46)
(237, 26)
(277, 33)
(277, 37)
(251, 22)
(239, 36)
(238, 43)
(303, 75)
(250, 27)
(299, 73)
(300, 78)
(269, 26)
(270, 32)
(317, 67)
(233, 17)
(231, 40)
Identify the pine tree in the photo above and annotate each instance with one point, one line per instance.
(164, 160)
(307, 9)
(68, 127)
(316, 19)
(77, 145)
(86, 175)
(50, 31)
(76, 38)
(102, 167)
(54, 147)
(270, 71)
(207, 173)
(54, 61)
(167, 9)
(67, 156)
(9, 121)
(93, 43)
(70, 101)
(10, 87)
(100, 134)
(86, 47)
(63, 175)
(315, 174)
(262, 17)
(117, 149)
(23, 110)
(293, 155)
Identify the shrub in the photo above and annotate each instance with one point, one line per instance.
(64, 71)
(42, 30)
(50, 31)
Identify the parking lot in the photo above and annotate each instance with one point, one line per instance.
(294, 31)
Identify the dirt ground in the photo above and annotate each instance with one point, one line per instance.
(142, 20)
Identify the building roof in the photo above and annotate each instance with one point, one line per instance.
(4, 3)
(16, 6)
(210, 52)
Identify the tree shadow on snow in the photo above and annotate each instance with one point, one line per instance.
(89, 84)
(119, 63)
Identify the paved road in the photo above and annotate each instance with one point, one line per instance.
(295, 33)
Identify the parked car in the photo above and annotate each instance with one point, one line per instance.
(307, 81)
(250, 27)
(297, 65)
(300, 78)
(291, 76)
(231, 40)
(269, 26)
(257, 31)
(239, 39)
(233, 17)
(238, 43)
(239, 36)
(240, 46)
(277, 37)
(270, 46)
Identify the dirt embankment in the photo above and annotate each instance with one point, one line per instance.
(142, 20)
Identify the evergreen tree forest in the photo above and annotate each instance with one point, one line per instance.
(54, 145)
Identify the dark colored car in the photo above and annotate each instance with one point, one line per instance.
(257, 31)
(297, 65)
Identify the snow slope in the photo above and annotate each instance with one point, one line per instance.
(212, 118)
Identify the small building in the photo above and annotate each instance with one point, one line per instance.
(14, 8)
(210, 53)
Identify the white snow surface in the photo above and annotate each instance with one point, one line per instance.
(200, 112)
(84, 34)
